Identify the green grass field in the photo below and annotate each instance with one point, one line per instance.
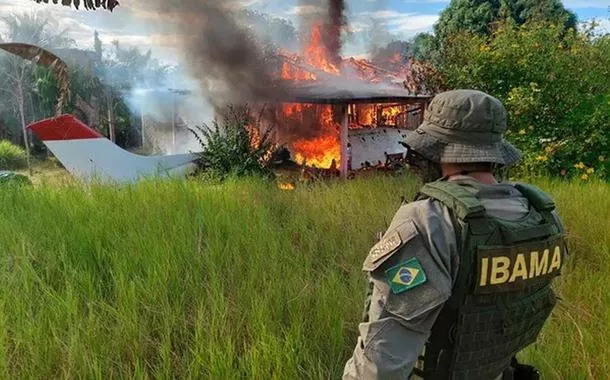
(239, 280)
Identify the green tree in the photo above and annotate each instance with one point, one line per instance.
(424, 47)
(16, 74)
(479, 16)
(554, 84)
(120, 70)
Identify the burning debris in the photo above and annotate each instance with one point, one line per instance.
(329, 91)
(311, 99)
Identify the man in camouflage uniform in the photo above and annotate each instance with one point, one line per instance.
(460, 281)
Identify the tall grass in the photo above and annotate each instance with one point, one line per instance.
(239, 280)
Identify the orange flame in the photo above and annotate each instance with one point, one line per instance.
(290, 72)
(323, 149)
(316, 54)
(389, 115)
(286, 186)
(254, 135)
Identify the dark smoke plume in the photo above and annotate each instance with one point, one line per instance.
(332, 33)
(233, 66)
(330, 14)
(229, 62)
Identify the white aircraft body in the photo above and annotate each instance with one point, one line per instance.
(89, 156)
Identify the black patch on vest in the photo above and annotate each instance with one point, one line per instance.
(518, 268)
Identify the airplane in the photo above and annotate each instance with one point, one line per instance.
(89, 156)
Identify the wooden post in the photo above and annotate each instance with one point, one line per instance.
(110, 103)
(173, 123)
(24, 130)
(142, 127)
(344, 138)
(424, 105)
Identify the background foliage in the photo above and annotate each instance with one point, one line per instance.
(555, 85)
(11, 156)
(480, 16)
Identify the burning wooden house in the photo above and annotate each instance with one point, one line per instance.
(349, 114)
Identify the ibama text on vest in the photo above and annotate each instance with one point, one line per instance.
(514, 268)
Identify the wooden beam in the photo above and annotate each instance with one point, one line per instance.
(320, 74)
(344, 141)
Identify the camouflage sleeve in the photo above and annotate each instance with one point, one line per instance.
(412, 270)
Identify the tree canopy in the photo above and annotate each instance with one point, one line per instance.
(555, 88)
(478, 16)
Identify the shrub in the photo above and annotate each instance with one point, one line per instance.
(234, 146)
(11, 156)
(555, 88)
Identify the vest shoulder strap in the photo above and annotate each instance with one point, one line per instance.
(538, 198)
(456, 197)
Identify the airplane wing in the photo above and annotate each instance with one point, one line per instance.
(88, 155)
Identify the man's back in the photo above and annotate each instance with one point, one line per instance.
(412, 280)
(466, 270)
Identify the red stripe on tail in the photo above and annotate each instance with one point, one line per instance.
(64, 127)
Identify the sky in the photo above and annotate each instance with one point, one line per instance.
(133, 25)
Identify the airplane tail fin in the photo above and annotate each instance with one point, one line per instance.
(88, 155)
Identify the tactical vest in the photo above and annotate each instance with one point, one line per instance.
(502, 295)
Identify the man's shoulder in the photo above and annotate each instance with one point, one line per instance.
(423, 225)
(431, 217)
(419, 211)
(415, 262)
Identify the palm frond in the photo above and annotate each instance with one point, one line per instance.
(88, 4)
(47, 59)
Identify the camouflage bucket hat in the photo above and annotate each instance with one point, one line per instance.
(464, 126)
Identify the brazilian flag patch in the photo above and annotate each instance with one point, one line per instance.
(405, 276)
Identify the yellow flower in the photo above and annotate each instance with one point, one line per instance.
(542, 158)
(548, 149)
(584, 177)
(579, 165)
(531, 127)
(522, 131)
(601, 158)
(590, 171)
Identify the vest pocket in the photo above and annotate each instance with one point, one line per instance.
(487, 337)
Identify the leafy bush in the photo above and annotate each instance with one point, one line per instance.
(555, 86)
(11, 156)
(234, 147)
